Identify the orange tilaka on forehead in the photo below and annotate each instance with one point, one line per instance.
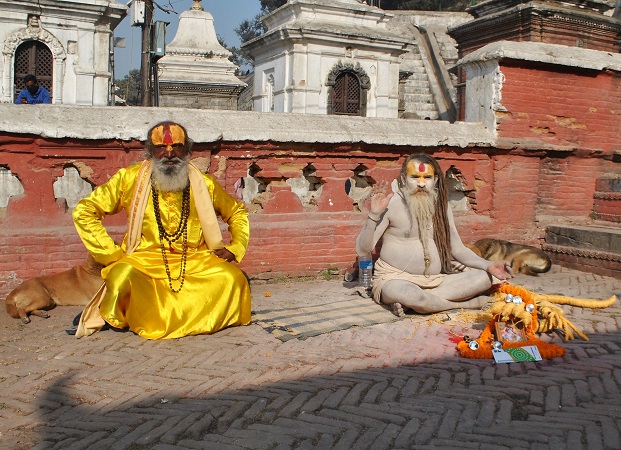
(168, 134)
(420, 169)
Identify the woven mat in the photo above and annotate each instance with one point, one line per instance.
(299, 321)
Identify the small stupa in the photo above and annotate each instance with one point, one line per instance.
(195, 71)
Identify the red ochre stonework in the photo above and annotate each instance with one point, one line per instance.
(506, 192)
(557, 135)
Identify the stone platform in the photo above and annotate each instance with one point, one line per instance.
(389, 386)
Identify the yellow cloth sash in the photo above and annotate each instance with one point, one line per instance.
(91, 320)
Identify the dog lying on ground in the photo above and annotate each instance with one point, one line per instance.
(75, 286)
(523, 258)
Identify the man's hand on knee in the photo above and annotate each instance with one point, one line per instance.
(224, 254)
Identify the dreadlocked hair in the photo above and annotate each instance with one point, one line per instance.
(441, 230)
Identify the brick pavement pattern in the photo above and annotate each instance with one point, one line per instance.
(389, 386)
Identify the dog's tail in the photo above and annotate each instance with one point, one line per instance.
(532, 262)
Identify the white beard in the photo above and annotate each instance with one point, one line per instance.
(421, 206)
(171, 178)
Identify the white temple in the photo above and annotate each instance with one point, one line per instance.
(327, 57)
(195, 71)
(66, 48)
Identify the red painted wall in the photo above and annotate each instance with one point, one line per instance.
(562, 127)
(561, 108)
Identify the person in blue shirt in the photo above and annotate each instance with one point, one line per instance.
(33, 93)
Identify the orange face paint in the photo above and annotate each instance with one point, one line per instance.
(420, 171)
(167, 135)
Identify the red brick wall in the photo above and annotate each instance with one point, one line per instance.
(558, 136)
(287, 239)
(567, 185)
(515, 196)
(561, 108)
(506, 191)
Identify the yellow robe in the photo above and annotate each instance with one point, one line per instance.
(215, 293)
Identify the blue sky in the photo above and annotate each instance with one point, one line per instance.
(227, 15)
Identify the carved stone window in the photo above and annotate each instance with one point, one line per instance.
(33, 57)
(348, 86)
(346, 95)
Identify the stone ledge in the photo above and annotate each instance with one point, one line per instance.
(208, 126)
(582, 253)
(585, 238)
(615, 218)
(585, 264)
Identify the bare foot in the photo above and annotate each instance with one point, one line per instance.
(475, 303)
(398, 310)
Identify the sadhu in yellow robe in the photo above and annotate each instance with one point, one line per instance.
(215, 293)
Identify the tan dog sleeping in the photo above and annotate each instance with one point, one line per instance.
(523, 258)
(75, 286)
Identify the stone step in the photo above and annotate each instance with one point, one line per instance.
(425, 107)
(419, 89)
(420, 99)
(595, 249)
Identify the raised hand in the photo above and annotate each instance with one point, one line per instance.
(380, 197)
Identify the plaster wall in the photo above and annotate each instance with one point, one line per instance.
(301, 73)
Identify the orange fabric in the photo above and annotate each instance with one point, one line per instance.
(486, 339)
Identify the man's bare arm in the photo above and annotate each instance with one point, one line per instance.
(464, 255)
(376, 222)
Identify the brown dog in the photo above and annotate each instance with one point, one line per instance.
(523, 258)
(75, 286)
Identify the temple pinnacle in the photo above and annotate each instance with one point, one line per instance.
(197, 6)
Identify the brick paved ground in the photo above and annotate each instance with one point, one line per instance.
(390, 386)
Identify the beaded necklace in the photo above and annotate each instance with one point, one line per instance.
(182, 231)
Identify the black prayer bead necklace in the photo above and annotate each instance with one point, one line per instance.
(182, 231)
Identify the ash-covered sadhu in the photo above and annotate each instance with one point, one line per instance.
(172, 275)
(420, 242)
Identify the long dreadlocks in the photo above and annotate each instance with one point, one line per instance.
(441, 231)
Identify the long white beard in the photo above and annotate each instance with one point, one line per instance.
(422, 205)
(171, 178)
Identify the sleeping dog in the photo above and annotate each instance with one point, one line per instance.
(523, 258)
(75, 286)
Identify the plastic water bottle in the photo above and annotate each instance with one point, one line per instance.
(365, 273)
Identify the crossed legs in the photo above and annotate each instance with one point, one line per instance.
(456, 291)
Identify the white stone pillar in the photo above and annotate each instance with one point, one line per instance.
(7, 78)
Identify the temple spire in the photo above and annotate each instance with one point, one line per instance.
(197, 6)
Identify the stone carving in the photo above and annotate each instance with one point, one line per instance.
(32, 33)
(356, 68)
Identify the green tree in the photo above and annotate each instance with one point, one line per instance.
(129, 87)
(270, 5)
(247, 30)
